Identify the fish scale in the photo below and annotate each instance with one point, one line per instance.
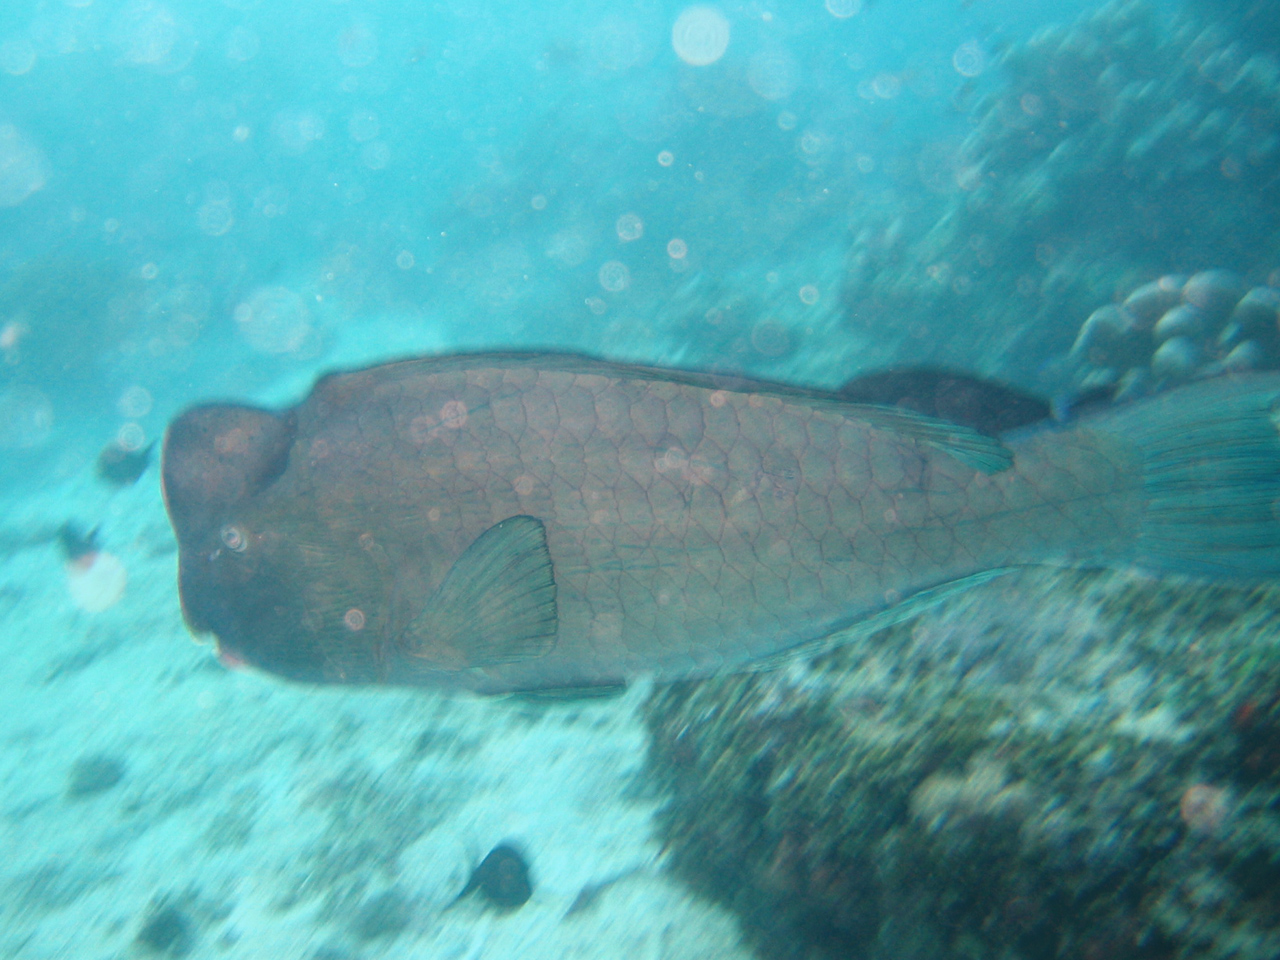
(685, 524)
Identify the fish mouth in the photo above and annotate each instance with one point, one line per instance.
(228, 657)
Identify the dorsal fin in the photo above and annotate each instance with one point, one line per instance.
(979, 451)
(982, 405)
(497, 603)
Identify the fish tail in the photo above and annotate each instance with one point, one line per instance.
(1210, 475)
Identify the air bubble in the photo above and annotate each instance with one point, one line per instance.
(404, 260)
(677, 249)
(274, 320)
(96, 581)
(666, 158)
(17, 56)
(215, 219)
(772, 74)
(134, 402)
(538, 202)
(357, 46)
(131, 437)
(26, 417)
(809, 294)
(843, 9)
(700, 36)
(614, 276)
(149, 271)
(363, 126)
(375, 155)
(243, 45)
(969, 60)
(629, 227)
(886, 86)
(22, 167)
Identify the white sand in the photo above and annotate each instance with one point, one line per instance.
(270, 815)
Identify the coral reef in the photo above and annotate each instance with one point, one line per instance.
(1125, 145)
(1054, 765)
(1174, 329)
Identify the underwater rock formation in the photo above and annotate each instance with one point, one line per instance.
(1055, 765)
(1175, 329)
(1129, 143)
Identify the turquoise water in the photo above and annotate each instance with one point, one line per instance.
(223, 199)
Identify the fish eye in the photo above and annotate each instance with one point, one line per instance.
(233, 538)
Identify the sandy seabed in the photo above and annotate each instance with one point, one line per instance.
(153, 803)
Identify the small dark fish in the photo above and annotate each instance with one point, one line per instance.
(502, 878)
(120, 466)
(511, 522)
(76, 542)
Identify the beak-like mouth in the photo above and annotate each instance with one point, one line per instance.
(230, 659)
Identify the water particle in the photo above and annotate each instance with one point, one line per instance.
(629, 227)
(666, 158)
(677, 249)
(404, 260)
(1204, 808)
(596, 306)
(453, 415)
(786, 120)
(771, 339)
(843, 9)
(539, 202)
(240, 134)
(26, 417)
(17, 56)
(969, 60)
(614, 276)
(357, 46)
(149, 271)
(363, 126)
(134, 402)
(233, 538)
(353, 619)
(811, 143)
(215, 219)
(243, 45)
(809, 294)
(131, 437)
(773, 74)
(375, 155)
(886, 86)
(96, 581)
(865, 163)
(274, 320)
(700, 36)
(22, 167)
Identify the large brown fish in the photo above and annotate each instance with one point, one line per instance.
(511, 522)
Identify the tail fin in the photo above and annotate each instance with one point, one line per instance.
(1211, 475)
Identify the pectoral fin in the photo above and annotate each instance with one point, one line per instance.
(497, 604)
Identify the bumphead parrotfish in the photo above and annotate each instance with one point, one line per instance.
(503, 522)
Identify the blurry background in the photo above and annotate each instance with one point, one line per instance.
(218, 198)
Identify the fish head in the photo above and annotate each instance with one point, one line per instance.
(219, 462)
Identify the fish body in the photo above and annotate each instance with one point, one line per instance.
(501, 522)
